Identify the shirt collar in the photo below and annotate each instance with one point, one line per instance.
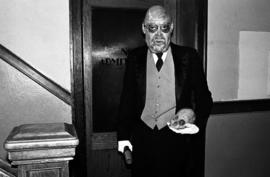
(164, 55)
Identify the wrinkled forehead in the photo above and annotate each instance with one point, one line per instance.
(157, 16)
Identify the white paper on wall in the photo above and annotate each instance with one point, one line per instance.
(254, 81)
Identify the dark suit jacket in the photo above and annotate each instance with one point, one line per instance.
(191, 91)
(191, 88)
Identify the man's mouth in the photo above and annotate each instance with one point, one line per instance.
(159, 42)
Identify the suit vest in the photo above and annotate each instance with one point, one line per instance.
(160, 92)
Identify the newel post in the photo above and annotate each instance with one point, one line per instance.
(42, 149)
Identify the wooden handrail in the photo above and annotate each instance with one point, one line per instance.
(6, 170)
(35, 75)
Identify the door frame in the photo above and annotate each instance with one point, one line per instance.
(81, 75)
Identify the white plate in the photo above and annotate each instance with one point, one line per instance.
(189, 129)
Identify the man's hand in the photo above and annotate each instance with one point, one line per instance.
(183, 122)
(183, 117)
(122, 144)
(187, 115)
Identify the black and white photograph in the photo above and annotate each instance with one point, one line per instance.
(134, 88)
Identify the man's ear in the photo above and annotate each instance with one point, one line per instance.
(172, 27)
(143, 28)
(172, 30)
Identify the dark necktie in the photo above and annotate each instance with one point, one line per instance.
(159, 61)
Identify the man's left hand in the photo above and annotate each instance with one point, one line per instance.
(183, 122)
(187, 115)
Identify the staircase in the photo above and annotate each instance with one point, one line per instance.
(6, 170)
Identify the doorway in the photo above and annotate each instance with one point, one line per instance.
(102, 33)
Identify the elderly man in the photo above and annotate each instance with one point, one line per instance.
(164, 84)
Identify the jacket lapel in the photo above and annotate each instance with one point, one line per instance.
(141, 73)
(179, 68)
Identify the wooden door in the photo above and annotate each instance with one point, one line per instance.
(115, 30)
(103, 32)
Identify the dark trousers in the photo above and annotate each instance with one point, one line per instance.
(159, 153)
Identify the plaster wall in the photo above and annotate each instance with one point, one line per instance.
(227, 19)
(237, 145)
(38, 32)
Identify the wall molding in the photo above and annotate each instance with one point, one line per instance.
(239, 106)
(18, 63)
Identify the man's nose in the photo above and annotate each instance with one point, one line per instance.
(159, 32)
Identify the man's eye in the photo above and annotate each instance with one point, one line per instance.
(152, 28)
(165, 28)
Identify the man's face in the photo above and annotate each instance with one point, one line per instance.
(157, 33)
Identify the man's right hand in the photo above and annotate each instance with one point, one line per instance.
(122, 144)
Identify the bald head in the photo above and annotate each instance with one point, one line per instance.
(157, 13)
(157, 27)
